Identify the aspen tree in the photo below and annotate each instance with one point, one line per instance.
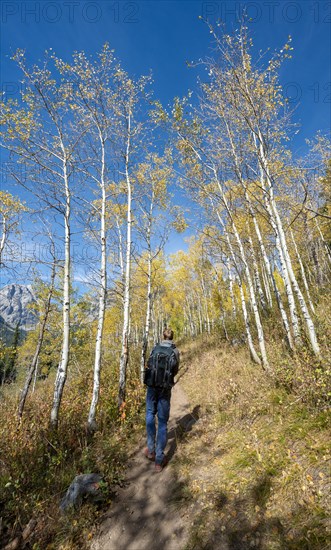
(219, 105)
(46, 306)
(256, 273)
(230, 277)
(239, 174)
(303, 272)
(38, 132)
(252, 350)
(262, 150)
(93, 103)
(153, 177)
(254, 97)
(190, 144)
(129, 138)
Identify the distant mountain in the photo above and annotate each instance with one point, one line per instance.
(14, 310)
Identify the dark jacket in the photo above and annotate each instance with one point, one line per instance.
(159, 378)
(170, 343)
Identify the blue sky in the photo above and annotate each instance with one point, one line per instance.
(161, 35)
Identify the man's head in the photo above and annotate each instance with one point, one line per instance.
(168, 334)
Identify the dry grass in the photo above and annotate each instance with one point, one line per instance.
(37, 465)
(256, 465)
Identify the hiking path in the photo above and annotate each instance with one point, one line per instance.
(144, 513)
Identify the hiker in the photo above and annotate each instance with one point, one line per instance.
(162, 367)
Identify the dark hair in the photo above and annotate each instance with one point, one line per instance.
(168, 334)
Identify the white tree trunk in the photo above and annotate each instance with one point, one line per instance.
(309, 323)
(283, 314)
(120, 250)
(253, 353)
(147, 322)
(61, 374)
(127, 281)
(204, 293)
(266, 284)
(253, 301)
(283, 263)
(327, 249)
(148, 300)
(154, 324)
(257, 279)
(272, 278)
(3, 236)
(288, 287)
(252, 350)
(199, 308)
(303, 273)
(102, 296)
(233, 301)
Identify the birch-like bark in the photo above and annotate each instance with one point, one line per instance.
(233, 301)
(281, 234)
(257, 279)
(120, 250)
(204, 293)
(283, 313)
(149, 295)
(268, 202)
(154, 324)
(3, 236)
(275, 219)
(199, 313)
(193, 320)
(147, 322)
(240, 178)
(260, 241)
(126, 303)
(35, 376)
(252, 350)
(303, 273)
(61, 374)
(283, 263)
(266, 285)
(253, 301)
(326, 246)
(253, 353)
(272, 278)
(102, 294)
(34, 363)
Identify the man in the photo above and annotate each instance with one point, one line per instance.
(159, 377)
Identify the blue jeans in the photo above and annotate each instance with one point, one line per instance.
(157, 401)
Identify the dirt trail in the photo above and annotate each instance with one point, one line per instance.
(142, 515)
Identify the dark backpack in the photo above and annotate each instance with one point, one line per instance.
(161, 367)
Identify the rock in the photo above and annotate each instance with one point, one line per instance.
(14, 311)
(85, 485)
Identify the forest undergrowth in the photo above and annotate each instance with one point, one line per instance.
(37, 464)
(254, 472)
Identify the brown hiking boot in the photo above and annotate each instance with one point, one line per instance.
(159, 467)
(150, 456)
